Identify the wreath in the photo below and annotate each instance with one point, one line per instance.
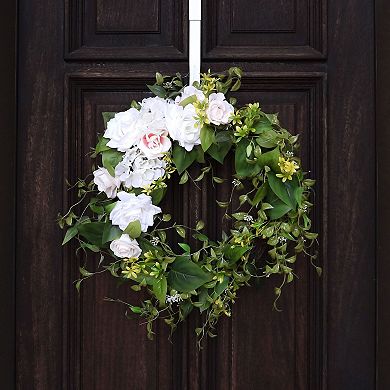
(118, 216)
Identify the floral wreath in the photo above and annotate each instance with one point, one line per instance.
(162, 136)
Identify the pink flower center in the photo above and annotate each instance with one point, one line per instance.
(152, 140)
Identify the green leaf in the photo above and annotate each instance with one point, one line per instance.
(185, 275)
(243, 168)
(219, 150)
(109, 207)
(107, 116)
(84, 272)
(188, 100)
(158, 195)
(180, 231)
(184, 178)
(199, 225)
(279, 209)
(260, 194)
(158, 90)
(92, 232)
(166, 217)
(186, 247)
(223, 136)
(239, 216)
(280, 189)
(262, 126)
(235, 252)
(273, 118)
(236, 86)
(91, 247)
(222, 204)
(96, 209)
(207, 137)
(135, 309)
(102, 145)
(160, 289)
(298, 195)
(110, 233)
(133, 229)
(267, 139)
(220, 288)
(71, 232)
(110, 159)
(218, 180)
(182, 158)
(309, 182)
(270, 159)
(159, 78)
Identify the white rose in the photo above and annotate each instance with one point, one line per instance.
(219, 110)
(182, 126)
(122, 130)
(105, 182)
(125, 247)
(131, 207)
(154, 143)
(190, 91)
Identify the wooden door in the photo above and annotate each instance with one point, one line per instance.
(310, 60)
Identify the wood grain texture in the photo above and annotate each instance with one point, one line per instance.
(8, 108)
(263, 30)
(122, 29)
(39, 185)
(351, 268)
(123, 16)
(382, 12)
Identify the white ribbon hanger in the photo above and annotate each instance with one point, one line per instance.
(195, 17)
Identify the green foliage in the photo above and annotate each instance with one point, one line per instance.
(185, 276)
(182, 158)
(110, 159)
(268, 209)
(207, 137)
(133, 229)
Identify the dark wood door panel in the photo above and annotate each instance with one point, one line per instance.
(125, 29)
(264, 29)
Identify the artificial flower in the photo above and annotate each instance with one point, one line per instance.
(131, 207)
(105, 182)
(155, 143)
(123, 131)
(219, 111)
(182, 125)
(288, 168)
(125, 247)
(138, 171)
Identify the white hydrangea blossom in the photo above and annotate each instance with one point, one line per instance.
(137, 170)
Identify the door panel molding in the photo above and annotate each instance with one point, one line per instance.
(274, 30)
(96, 38)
